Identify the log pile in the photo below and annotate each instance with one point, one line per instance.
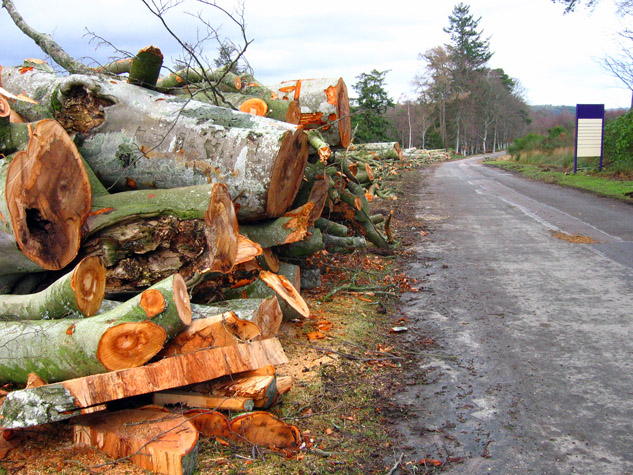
(152, 245)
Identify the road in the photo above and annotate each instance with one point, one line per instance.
(532, 371)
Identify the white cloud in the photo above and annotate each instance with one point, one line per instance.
(553, 55)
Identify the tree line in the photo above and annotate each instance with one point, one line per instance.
(461, 102)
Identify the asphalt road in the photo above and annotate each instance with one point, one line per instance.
(532, 371)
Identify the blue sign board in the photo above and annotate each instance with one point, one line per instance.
(589, 132)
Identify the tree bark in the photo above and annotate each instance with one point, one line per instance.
(47, 198)
(137, 138)
(59, 401)
(324, 106)
(79, 291)
(123, 337)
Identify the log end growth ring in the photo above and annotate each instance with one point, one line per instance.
(129, 345)
(287, 173)
(49, 196)
(88, 283)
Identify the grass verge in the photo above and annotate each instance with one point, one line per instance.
(600, 184)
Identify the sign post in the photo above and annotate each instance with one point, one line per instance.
(589, 132)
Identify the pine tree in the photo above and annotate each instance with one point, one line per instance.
(467, 48)
(368, 117)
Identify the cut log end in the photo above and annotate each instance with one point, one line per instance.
(49, 196)
(129, 345)
(222, 229)
(181, 299)
(286, 291)
(293, 114)
(254, 106)
(153, 302)
(5, 109)
(343, 111)
(287, 173)
(88, 284)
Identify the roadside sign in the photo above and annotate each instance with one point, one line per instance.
(589, 132)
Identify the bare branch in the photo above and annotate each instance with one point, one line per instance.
(46, 43)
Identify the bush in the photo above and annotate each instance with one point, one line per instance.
(618, 143)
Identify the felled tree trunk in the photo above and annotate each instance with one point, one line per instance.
(59, 401)
(384, 150)
(224, 80)
(47, 197)
(136, 138)
(81, 291)
(144, 236)
(324, 106)
(124, 337)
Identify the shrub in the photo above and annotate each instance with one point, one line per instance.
(618, 142)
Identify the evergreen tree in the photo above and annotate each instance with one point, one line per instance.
(467, 48)
(368, 118)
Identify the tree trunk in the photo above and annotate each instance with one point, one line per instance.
(324, 106)
(126, 336)
(136, 138)
(388, 150)
(144, 236)
(59, 401)
(47, 198)
(80, 291)
(155, 440)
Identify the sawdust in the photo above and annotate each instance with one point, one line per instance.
(575, 238)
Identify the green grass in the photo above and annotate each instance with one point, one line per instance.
(598, 183)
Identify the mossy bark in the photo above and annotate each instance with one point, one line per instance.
(57, 350)
(80, 291)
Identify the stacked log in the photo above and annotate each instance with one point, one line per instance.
(197, 221)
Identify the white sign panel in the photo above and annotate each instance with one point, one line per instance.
(589, 138)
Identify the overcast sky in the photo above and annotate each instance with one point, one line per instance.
(554, 56)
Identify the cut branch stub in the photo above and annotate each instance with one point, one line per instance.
(49, 196)
(88, 283)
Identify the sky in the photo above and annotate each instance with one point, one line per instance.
(555, 57)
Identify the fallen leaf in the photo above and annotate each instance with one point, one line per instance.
(316, 335)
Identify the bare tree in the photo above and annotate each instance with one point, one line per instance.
(621, 66)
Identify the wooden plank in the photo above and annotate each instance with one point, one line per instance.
(59, 401)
